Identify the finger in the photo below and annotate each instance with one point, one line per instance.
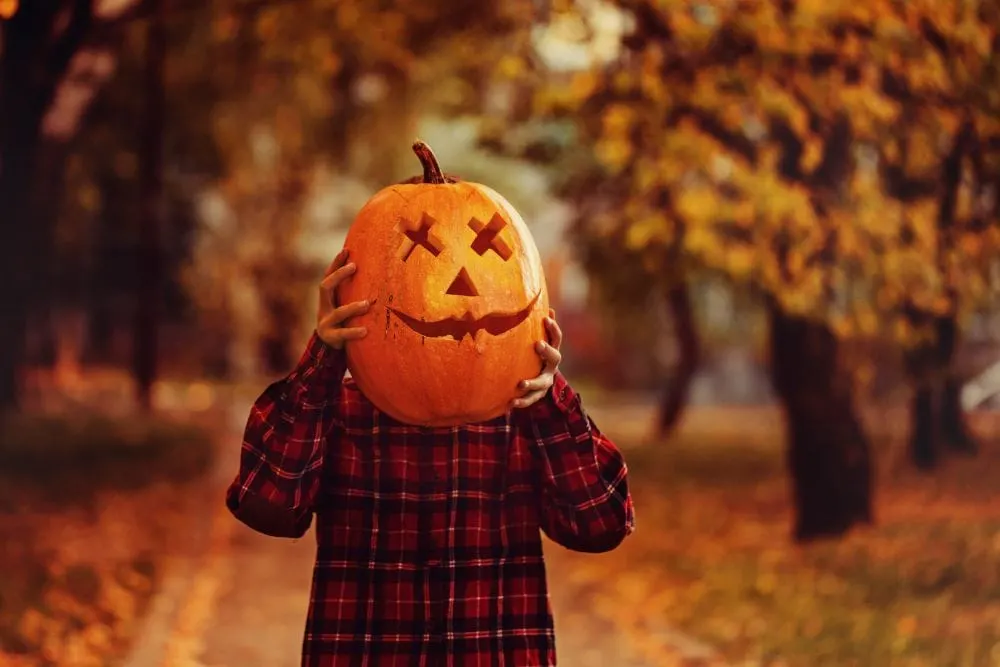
(550, 355)
(540, 383)
(331, 281)
(554, 332)
(528, 399)
(347, 311)
(353, 333)
(337, 262)
(342, 333)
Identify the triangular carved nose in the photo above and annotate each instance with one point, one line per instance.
(462, 285)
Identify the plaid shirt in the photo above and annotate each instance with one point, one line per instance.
(428, 545)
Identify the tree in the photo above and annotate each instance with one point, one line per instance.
(327, 94)
(759, 140)
(39, 45)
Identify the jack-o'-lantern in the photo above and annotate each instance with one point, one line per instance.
(458, 300)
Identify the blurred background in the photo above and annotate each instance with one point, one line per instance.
(770, 232)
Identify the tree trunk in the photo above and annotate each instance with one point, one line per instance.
(828, 453)
(17, 147)
(936, 416)
(954, 428)
(276, 340)
(923, 453)
(675, 394)
(33, 61)
(21, 112)
(148, 286)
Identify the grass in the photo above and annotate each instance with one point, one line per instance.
(922, 587)
(88, 507)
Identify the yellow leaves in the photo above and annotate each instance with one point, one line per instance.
(614, 149)
(849, 243)
(739, 261)
(870, 111)
(700, 241)
(862, 322)
(649, 230)
(776, 101)
(614, 153)
(583, 84)
(617, 119)
(752, 217)
(922, 216)
(652, 83)
(812, 153)
(510, 66)
(697, 205)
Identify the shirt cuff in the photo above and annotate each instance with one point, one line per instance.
(320, 366)
(562, 394)
(560, 398)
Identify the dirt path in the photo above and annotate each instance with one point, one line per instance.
(203, 618)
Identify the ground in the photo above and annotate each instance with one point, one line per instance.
(709, 577)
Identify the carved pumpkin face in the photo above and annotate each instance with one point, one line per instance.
(458, 300)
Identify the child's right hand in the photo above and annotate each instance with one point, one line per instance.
(330, 316)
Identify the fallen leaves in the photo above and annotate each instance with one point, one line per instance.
(76, 575)
(712, 560)
(70, 626)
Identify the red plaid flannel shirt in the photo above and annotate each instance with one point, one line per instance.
(428, 545)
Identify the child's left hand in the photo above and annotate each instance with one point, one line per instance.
(535, 388)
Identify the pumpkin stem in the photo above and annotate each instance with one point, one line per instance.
(432, 170)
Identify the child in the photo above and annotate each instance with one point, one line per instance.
(428, 545)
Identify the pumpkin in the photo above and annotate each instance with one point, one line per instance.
(457, 299)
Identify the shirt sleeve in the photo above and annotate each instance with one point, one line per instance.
(281, 461)
(586, 505)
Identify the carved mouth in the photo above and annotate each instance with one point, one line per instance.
(460, 327)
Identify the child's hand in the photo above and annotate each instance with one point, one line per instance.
(330, 317)
(537, 387)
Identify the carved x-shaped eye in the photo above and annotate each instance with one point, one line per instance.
(418, 235)
(488, 237)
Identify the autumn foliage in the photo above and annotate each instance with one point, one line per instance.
(838, 159)
(801, 147)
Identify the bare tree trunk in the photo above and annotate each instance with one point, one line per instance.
(828, 453)
(148, 287)
(936, 416)
(33, 62)
(675, 394)
(937, 419)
